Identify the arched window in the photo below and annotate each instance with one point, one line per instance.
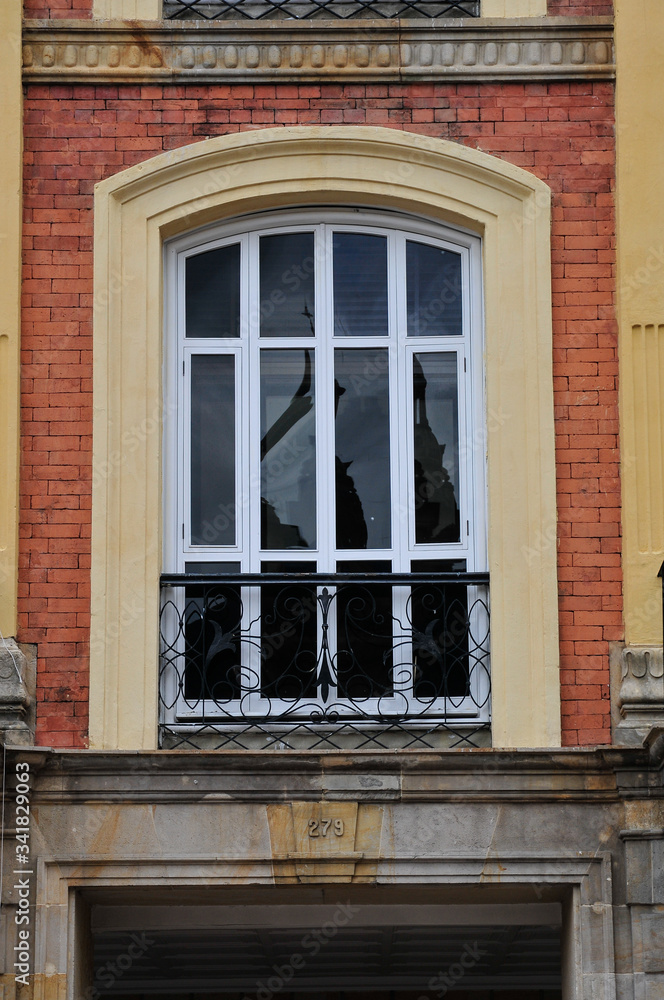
(325, 477)
(141, 210)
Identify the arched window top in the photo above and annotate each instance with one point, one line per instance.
(343, 349)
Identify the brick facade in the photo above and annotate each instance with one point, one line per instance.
(57, 8)
(74, 137)
(580, 8)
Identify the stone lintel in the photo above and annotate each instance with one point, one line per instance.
(600, 775)
(532, 49)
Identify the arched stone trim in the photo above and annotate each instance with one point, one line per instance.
(137, 209)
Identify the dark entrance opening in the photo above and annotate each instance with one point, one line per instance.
(328, 951)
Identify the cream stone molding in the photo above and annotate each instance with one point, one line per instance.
(513, 8)
(640, 247)
(137, 209)
(11, 171)
(494, 50)
(130, 10)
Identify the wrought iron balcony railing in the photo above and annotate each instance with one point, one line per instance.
(342, 661)
(213, 10)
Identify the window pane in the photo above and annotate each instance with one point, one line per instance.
(213, 293)
(365, 627)
(434, 291)
(360, 285)
(287, 285)
(213, 509)
(213, 649)
(436, 419)
(439, 612)
(362, 452)
(289, 617)
(214, 568)
(288, 450)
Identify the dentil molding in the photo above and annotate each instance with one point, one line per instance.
(158, 51)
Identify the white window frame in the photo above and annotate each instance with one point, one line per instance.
(469, 351)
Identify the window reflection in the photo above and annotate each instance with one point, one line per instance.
(213, 293)
(213, 510)
(288, 450)
(287, 285)
(360, 285)
(433, 279)
(362, 451)
(436, 422)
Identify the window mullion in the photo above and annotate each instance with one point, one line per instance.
(399, 410)
(326, 451)
(251, 405)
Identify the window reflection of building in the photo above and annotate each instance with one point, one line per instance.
(436, 506)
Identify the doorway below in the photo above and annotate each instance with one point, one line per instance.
(341, 951)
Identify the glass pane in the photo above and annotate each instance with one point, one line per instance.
(360, 285)
(436, 449)
(287, 285)
(434, 291)
(213, 293)
(364, 633)
(289, 615)
(213, 568)
(288, 450)
(439, 613)
(212, 633)
(213, 509)
(362, 452)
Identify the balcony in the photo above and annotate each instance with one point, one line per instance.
(219, 10)
(343, 661)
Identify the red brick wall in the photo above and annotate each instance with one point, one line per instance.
(580, 8)
(74, 137)
(57, 8)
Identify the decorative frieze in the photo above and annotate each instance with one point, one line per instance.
(494, 50)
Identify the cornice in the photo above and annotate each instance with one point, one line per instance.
(607, 774)
(312, 51)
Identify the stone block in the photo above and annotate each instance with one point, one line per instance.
(17, 693)
(640, 701)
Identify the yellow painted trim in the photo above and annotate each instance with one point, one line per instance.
(127, 10)
(271, 168)
(11, 148)
(640, 203)
(513, 8)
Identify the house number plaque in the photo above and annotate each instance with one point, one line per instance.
(321, 827)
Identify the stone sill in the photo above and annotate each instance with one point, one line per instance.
(445, 50)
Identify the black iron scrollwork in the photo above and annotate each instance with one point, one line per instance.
(211, 10)
(321, 656)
